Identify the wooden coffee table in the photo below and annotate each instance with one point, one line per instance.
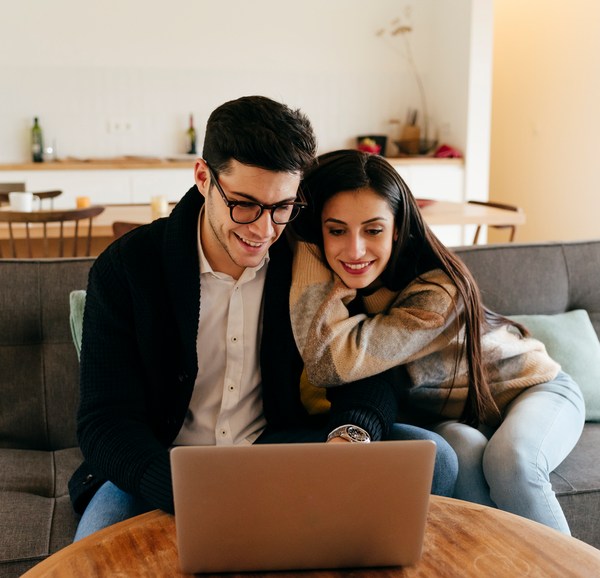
(462, 539)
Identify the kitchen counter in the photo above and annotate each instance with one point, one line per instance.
(175, 162)
(136, 179)
(105, 163)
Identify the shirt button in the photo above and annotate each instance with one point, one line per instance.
(234, 339)
(231, 388)
(223, 433)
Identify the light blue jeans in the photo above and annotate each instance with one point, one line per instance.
(445, 469)
(111, 505)
(510, 467)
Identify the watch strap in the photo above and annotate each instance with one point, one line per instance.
(350, 432)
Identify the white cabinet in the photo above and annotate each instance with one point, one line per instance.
(439, 179)
(106, 186)
(443, 182)
(173, 183)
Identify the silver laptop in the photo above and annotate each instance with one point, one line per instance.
(301, 506)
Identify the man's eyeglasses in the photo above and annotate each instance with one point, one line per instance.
(245, 212)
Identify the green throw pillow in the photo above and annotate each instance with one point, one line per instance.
(571, 340)
(77, 305)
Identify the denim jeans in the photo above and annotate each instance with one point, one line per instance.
(111, 505)
(445, 471)
(509, 468)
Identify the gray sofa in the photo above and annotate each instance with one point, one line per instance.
(39, 385)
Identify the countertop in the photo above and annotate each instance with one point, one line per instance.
(105, 163)
(175, 162)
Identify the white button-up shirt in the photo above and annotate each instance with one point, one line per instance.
(226, 406)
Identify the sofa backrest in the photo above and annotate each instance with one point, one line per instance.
(542, 278)
(39, 371)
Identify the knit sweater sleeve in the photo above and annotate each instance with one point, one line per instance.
(339, 348)
(370, 403)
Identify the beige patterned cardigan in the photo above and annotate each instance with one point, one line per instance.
(419, 327)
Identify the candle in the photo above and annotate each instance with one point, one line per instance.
(83, 202)
(160, 206)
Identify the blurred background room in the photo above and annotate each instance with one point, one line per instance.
(510, 86)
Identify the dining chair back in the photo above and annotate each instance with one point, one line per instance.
(6, 188)
(512, 228)
(121, 227)
(12, 187)
(30, 230)
(41, 195)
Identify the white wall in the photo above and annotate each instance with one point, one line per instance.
(82, 65)
(546, 119)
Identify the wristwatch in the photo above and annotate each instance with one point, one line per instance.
(352, 433)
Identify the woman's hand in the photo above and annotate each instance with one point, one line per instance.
(338, 440)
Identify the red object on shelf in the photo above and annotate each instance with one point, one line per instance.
(374, 149)
(447, 152)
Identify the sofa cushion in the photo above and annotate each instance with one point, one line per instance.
(38, 472)
(36, 518)
(38, 376)
(570, 339)
(577, 485)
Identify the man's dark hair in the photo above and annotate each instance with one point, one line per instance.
(257, 131)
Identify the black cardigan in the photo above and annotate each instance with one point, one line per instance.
(139, 360)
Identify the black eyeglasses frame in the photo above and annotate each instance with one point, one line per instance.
(302, 204)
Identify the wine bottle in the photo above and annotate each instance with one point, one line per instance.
(37, 142)
(191, 134)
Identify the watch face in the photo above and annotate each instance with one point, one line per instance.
(358, 434)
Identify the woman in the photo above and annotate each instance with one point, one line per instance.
(390, 297)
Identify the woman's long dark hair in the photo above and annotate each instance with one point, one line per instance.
(416, 251)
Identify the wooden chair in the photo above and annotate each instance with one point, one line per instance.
(41, 195)
(512, 228)
(121, 227)
(9, 188)
(29, 229)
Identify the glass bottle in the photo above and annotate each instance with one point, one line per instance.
(191, 134)
(37, 142)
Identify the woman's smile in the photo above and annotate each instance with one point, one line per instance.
(357, 268)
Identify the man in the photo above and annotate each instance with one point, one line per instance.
(187, 337)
